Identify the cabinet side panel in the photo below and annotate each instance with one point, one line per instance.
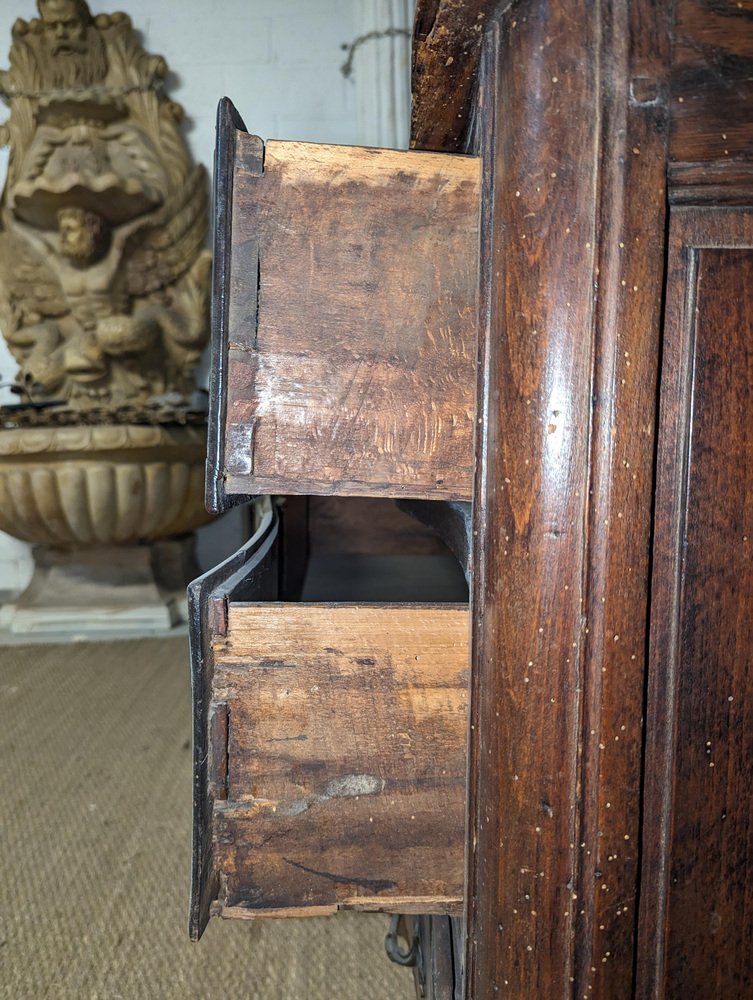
(710, 899)
(696, 921)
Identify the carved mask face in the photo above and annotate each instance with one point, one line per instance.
(84, 236)
(64, 26)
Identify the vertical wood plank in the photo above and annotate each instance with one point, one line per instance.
(632, 210)
(229, 125)
(696, 919)
(540, 141)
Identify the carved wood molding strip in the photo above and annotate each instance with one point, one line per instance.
(566, 403)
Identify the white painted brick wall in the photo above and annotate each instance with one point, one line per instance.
(279, 61)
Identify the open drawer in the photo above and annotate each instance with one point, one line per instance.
(330, 749)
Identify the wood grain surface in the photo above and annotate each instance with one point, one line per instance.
(253, 572)
(352, 322)
(711, 140)
(345, 762)
(539, 198)
(697, 901)
(627, 336)
(447, 38)
(573, 195)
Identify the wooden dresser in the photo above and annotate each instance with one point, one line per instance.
(543, 309)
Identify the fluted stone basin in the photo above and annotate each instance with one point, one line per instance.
(110, 511)
(101, 485)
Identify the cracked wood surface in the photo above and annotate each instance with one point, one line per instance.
(351, 321)
(344, 770)
(447, 37)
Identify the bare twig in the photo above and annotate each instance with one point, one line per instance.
(347, 67)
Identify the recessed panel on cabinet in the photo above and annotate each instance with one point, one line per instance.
(698, 837)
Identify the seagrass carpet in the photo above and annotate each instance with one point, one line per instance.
(95, 820)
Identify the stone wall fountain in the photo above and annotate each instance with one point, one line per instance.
(104, 296)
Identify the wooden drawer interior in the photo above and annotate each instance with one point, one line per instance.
(335, 757)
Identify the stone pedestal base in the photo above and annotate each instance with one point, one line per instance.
(124, 588)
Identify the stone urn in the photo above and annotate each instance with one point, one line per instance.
(72, 487)
(110, 511)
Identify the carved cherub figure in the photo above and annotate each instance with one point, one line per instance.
(127, 317)
(103, 278)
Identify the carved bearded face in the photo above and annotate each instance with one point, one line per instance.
(64, 25)
(84, 236)
(72, 52)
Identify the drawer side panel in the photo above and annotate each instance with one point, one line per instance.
(346, 757)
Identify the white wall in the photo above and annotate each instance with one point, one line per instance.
(279, 61)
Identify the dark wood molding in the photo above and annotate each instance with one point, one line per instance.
(539, 212)
(627, 336)
(563, 493)
(229, 125)
(725, 182)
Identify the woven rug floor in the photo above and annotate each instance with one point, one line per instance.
(95, 820)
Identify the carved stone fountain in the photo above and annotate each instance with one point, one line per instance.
(104, 288)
